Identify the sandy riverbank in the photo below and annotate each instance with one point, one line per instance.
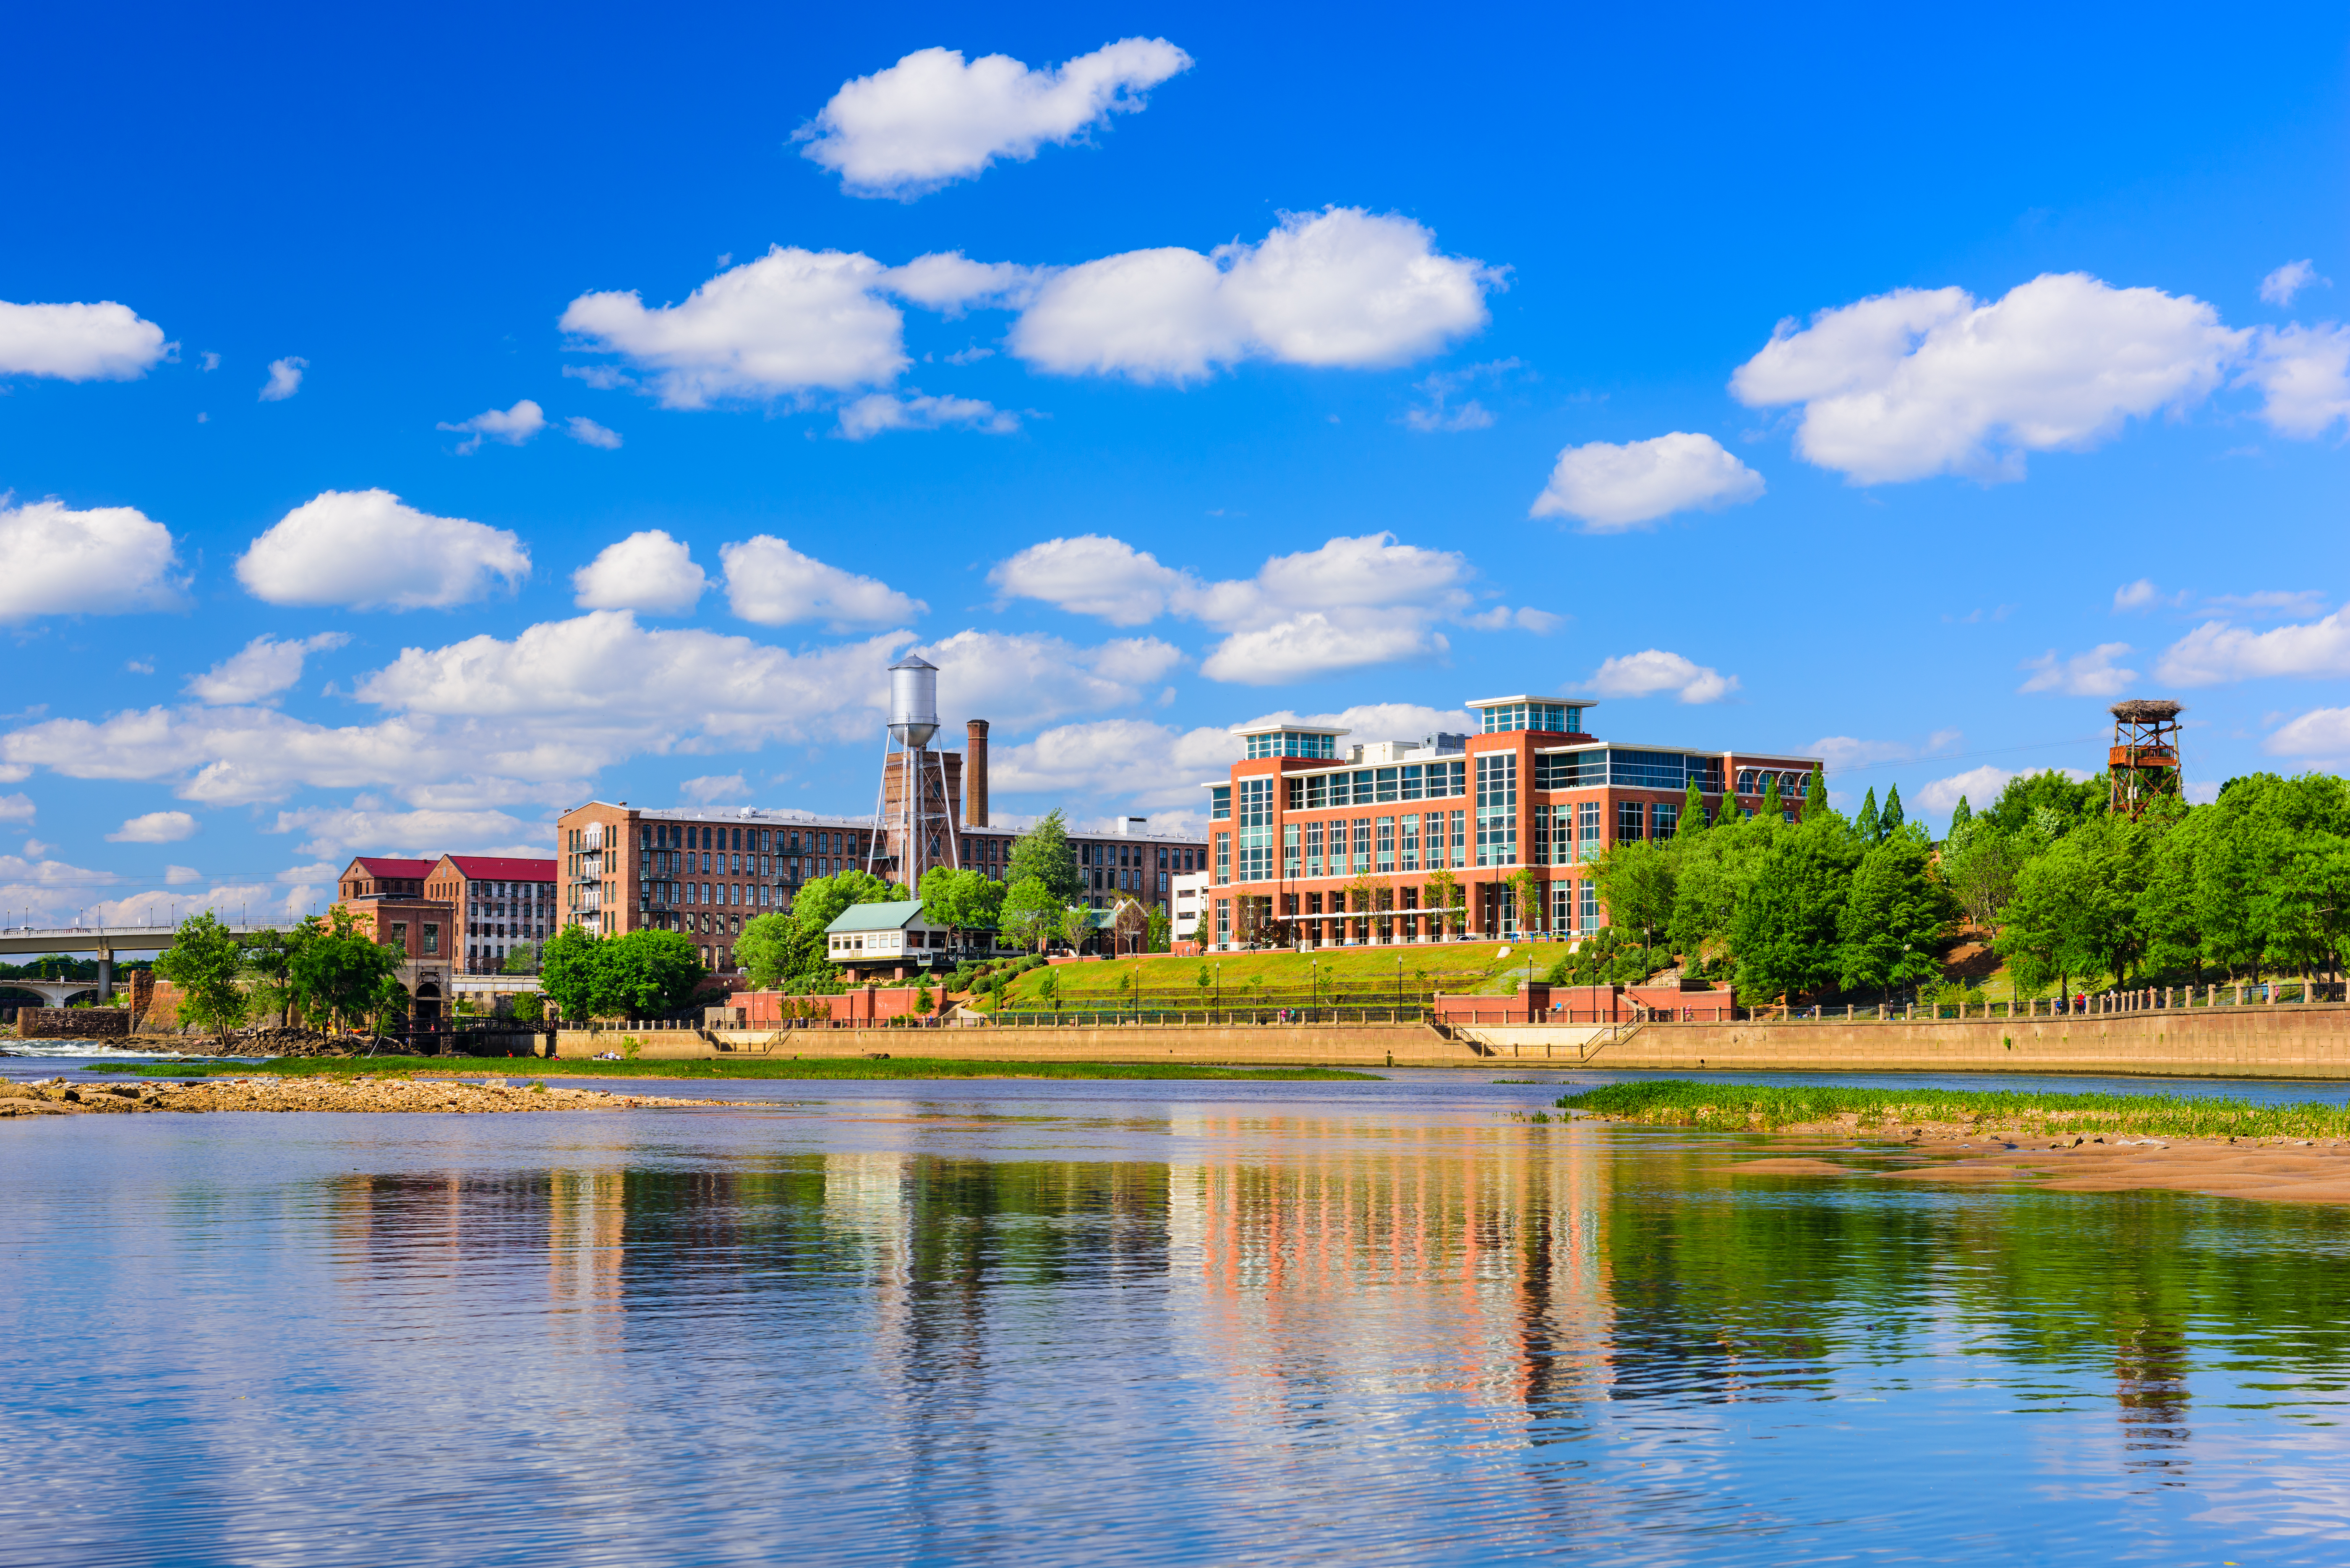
(57, 1096)
(2273, 1169)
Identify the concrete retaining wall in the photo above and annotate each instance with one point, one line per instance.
(2288, 1041)
(1299, 1045)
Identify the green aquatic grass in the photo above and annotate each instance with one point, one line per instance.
(1677, 1102)
(762, 1068)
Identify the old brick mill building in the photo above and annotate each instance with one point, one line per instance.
(705, 870)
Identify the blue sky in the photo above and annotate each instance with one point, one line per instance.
(1889, 390)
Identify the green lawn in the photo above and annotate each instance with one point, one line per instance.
(1676, 1101)
(1346, 977)
(762, 1068)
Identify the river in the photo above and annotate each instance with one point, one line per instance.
(1047, 1322)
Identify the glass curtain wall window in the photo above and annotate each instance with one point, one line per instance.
(1253, 817)
(1362, 860)
(1460, 839)
(1562, 906)
(1587, 916)
(1588, 826)
(1631, 821)
(1497, 809)
(1386, 844)
(1288, 849)
(1223, 857)
(1313, 849)
(1408, 850)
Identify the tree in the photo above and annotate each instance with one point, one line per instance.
(1890, 823)
(337, 971)
(1890, 928)
(522, 958)
(2067, 800)
(777, 953)
(1962, 815)
(1786, 929)
(566, 972)
(650, 974)
(1816, 795)
(1774, 808)
(1866, 824)
(1158, 934)
(1129, 926)
(1045, 853)
(1636, 881)
(1692, 811)
(1980, 864)
(1445, 898)
(206, 964)
(820, 899)
(962, 900)
(1711, 875)
(1031, 913)
(269, 958)
(1525, 893)
(923, 1005)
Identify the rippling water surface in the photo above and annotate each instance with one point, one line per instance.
(1052, 1322)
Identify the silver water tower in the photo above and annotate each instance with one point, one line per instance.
(913, 701)
(916, 817)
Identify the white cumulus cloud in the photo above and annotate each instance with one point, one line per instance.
(875, 412)
(2216, 651)
(339, 831)
(1611, 487)
(2304, 375)
(587, 432)
(365, 550)
(100, 342)
(932, 118)
(513, 426)
(155, 827)
(645, 571)
(2279, 287)
(712, 787)
(1031, 678)
(2321, 733)
(1352, 602)
(790, 323)
(771, 584)
(2096, 673)
(1340, 287)
(284, 379)
(16, 808)
(262, 669)
(1919, 382)
(107, 560)
(1980, 786)
(1130, 760)
(1654, 672)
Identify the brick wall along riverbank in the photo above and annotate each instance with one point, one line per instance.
(2250, 1042)
(2287, 1042)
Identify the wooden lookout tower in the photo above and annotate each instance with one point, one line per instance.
(2144, 763)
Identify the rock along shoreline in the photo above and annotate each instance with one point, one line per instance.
(61, 1097)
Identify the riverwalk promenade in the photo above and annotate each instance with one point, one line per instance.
(2288, 1041)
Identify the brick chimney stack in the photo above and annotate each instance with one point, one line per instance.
(974, 774)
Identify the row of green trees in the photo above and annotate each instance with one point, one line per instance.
(2257, 883)
(324, 972)
(1787, 908)
(2065, 891)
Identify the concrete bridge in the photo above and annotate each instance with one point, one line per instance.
(104, 943)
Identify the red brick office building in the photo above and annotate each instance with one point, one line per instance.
(1300, 819)
(500, 902)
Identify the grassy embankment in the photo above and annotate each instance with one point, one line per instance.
(1739, 1107)
(1328, 977)
(764, 1067)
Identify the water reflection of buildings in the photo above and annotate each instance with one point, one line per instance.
(1467, 1259)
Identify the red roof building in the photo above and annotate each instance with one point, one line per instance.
(503, 902)
(381, 876)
